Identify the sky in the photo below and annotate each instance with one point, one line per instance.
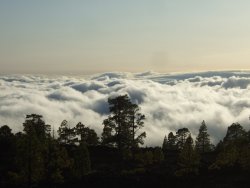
(83, 36)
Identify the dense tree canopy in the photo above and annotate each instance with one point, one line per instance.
(35, 158)
(188, 161)
(40, 157)
(67, 135)
(235, 132)
(234, 150)
(181, 136)
(122, 126)
(202, 143)
(87, 136)
(169, 142)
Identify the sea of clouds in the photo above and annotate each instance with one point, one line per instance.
(169, 101)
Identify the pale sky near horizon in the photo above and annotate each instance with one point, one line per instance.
(61, 36)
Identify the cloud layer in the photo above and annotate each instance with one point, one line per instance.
(169, 101)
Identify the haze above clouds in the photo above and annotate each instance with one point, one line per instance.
(169, 101)
(99, 36)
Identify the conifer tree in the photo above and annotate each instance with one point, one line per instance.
(235, 133)
(135, 124)
(181, 136)
(188, 160)
(58, 161)
(123, 124)
(87, 136)
(171, 143)
(107, 138)
(66, 134)
(233, 149)
(202, 143)
(164, 144)
(7, 145)
(32, 147)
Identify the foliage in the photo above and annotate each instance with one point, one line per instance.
(188, 160)
(34, 158)
(81, 161)
(31, 149)
(158, 155)
(122, 126)
(87, 136)
(7, 150)
(164, 144)
(40, 157)
(58, 161)
(181, 136)
(235, 133)
(202, 143)
(169, 142)
(233, 149)
(66, 134)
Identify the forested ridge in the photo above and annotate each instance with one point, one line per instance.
(74, 155)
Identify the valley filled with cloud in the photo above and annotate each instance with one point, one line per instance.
(169, 101)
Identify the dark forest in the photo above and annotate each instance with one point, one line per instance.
(74, 156)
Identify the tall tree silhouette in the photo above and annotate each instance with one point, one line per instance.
(7, 146)
(57, 161)
(107, 138)
(87, 136)
(66, 134)
(202, 143)
(164, 144)
(32, 146)
(235, 132)
(188, 160)
(136, 123)
(169, 142)
(123, 123)
(181, 136)
(234, 148)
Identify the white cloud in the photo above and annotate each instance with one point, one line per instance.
(169, 101)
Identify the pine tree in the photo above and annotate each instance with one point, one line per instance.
(7, 145)
(181, 136)
(66, 134)
(107, 138)
(32, 147)
(57, 161)
(202, 143)
(231, 151)
(136, 123)
(122, 126)
(171, 143)
(235, 133)
(87, 136)
(165, 143)
(188, 160)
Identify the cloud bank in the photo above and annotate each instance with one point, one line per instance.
(169, 101)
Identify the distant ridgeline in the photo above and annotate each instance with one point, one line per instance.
(77, 157)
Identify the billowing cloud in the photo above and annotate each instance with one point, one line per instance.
(169, 101)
